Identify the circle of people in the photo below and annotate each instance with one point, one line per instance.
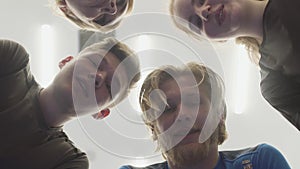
(103, 74)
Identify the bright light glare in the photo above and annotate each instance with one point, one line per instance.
(242, 78)
(140, 162)
(47, 55)
(143, 42)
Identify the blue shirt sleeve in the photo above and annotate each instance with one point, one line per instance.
(124, 167)
(270, 158)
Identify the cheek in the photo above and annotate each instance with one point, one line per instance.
(164, 122)
(211, 31)
(89, 13)
(102, 96)
(201, 118)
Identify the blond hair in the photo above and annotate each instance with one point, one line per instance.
(251, 44)
(91, 27)
(202, 75)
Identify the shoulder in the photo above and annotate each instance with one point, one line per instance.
(261, 150)
(13, 57)
(262, 156)
(271, 158)
(268, 151)
(234, 154)
(162, 165)
(11, 47)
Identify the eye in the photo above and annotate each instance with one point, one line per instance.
(101, 20)
(108, 86)
(170, 108)
(198, 22)
(121, 3)
(195, 23)
(201, 2)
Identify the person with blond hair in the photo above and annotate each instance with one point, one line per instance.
(269, 30)
(184, 108)
(32, 117)
(94, 15)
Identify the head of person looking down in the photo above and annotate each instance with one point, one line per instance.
(94, 15)
(99, 78)
(220, 20)
(178, 108)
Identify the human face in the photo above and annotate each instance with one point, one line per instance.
(101, 12)
(213, 19)
(181, 121)
(93, 81)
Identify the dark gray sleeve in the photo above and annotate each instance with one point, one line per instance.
(13, 57)
(283, 93)
(80, 162)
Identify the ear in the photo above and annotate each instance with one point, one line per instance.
(63, 62)
(102, 114)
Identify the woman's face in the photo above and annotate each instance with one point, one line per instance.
(213, 19)
(101, 12)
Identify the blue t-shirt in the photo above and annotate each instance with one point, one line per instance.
(262, 156)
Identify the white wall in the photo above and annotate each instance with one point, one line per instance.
(116, 140)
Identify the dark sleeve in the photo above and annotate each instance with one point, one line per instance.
(271, 158)
(15, 76)
(13, 57)
(80, 162)
(283, 93)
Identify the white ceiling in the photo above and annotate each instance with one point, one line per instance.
(115, 141)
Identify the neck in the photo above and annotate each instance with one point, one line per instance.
(55, 114)
(253, 19)
(208, 162)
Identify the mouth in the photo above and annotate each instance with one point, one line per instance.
(191, 137)
(193, 131)
(220, 15)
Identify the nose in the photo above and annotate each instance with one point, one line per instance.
(100, 78)
(110, 7)
(186, 114)
(203, 11)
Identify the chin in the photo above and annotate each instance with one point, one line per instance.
(188, 152)
(213, 36)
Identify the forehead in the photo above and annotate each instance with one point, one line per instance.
(183, 84)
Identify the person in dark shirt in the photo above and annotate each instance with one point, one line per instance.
(270, 33)
(32, 117)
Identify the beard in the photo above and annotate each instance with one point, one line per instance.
(190, 154)
(186, 153)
